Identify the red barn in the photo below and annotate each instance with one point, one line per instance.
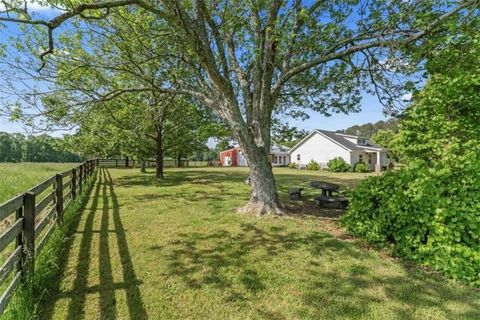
(229, 158)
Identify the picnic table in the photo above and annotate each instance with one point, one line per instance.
(326, 199)
(327, 187)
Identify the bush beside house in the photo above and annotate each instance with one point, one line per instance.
(338, 165)
(313, 165)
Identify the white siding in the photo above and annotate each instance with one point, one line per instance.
(320, 149)
(242, 162)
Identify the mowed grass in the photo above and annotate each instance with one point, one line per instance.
(145, 249)
(19, 177)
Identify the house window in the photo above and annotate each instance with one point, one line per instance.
(360, 158)
(298, 157)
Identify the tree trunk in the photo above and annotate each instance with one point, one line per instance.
(263, 197)
(159, 154)
(179, 161)
(142, 166)
(127, 164)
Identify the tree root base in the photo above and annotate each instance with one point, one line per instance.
(261, 209)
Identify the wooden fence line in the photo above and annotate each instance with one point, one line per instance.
(150, 163)
(37, 212)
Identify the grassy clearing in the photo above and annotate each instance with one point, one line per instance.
(19, 177)
(175, 250)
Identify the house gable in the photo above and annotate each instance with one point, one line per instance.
(319, 147)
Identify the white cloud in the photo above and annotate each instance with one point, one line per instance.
(407, 96)
(32, 6)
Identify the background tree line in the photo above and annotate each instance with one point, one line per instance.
(16, 147)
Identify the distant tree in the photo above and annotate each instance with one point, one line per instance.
(44, 148)
(283, 134)
(368, 130)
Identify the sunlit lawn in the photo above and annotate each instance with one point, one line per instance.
(176, 250)
(19, 177)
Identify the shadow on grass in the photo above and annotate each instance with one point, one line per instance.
(231, 184)
(78, 295)
(239, 264)
(203, 177)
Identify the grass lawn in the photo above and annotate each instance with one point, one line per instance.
(176, 250)
(19, 177)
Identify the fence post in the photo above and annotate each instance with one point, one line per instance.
(59, 197)
(74, 184)
(29, 233)
(19, 243)
(80, 178)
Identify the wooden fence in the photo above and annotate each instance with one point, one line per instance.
(170, 163)
(149, 163)
(116, 163)
(33, 217)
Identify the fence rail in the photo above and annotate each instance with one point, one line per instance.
(150, 163)
(33, 222)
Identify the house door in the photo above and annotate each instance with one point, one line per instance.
(227, 161)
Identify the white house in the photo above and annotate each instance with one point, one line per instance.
(322, 146)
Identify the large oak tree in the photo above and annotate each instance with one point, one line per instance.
(249, 60)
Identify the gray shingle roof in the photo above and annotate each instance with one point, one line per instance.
(338, 138)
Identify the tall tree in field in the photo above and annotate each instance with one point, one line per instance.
(250, 59)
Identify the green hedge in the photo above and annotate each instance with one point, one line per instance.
(429, 215)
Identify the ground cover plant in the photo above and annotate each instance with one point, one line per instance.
(176, 249)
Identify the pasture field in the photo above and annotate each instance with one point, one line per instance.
(176, 249)
(19, 177)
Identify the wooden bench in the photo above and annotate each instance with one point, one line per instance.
(332, 202)
(295, 193)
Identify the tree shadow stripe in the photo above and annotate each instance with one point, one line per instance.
(135, 303)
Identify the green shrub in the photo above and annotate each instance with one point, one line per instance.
(338, 165)
(360, 167)
(429, 215)
(293, 165)
(313, 165)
